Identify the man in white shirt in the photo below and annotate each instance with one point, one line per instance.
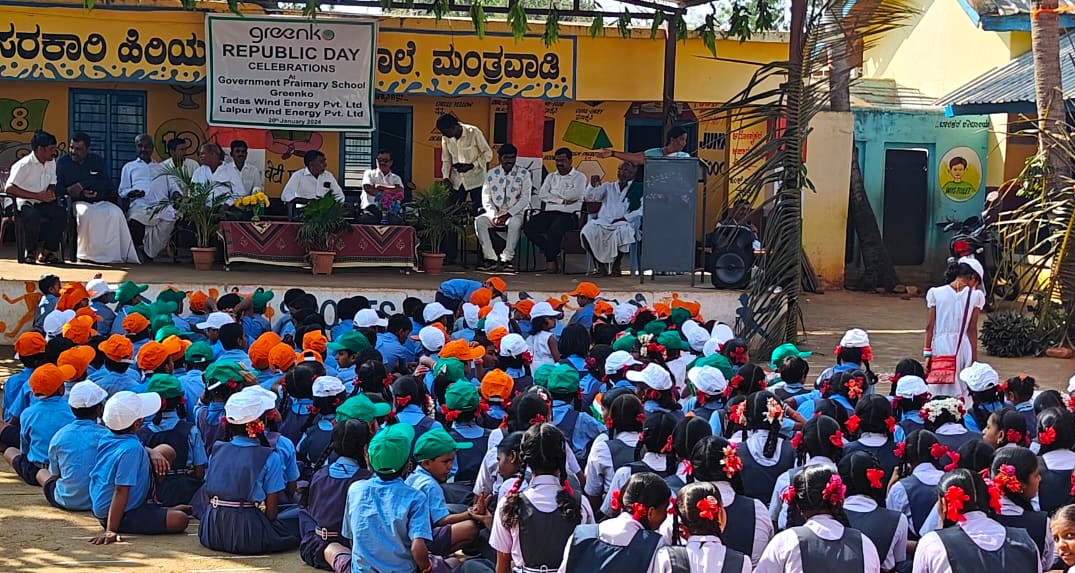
(610, 234)
(252, 176)
(464, 155)
(214, 170)
(379, 179)
(561, 196)
(312, 181)
(177, 157)
(505, 197)
(32, 181)
(141, 183)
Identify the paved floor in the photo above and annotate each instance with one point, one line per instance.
(42, 540)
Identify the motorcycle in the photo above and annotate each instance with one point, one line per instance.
(974, 237)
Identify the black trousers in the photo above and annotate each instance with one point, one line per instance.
(43, 222)
(546, 230)
(450, 244)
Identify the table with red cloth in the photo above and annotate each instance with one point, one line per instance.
(277, 243)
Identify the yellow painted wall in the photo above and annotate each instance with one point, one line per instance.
(940, 50)
(825, 212)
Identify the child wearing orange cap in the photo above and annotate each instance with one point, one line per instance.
(79, 358)
(496, 392)
(137, 329)
(154, 358)
(585, 294)
(73, 296)
(313, 338)
(40, 421)
(117, 374)
(196, 309)
(30, 349)
(259, 358)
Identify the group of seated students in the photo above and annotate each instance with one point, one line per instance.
(44, 183)
(476, 433)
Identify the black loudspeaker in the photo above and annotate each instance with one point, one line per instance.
(731, 256)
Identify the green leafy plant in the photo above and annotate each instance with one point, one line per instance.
(1011, 334)
(435, 217)
(478, 18)
(323, 222)
(200, 204)
(517, 21)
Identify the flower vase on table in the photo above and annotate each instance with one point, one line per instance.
(254, 203)
(391, 203)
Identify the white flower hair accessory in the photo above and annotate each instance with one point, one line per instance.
(774, 412)
(938, 406)
(644, 340)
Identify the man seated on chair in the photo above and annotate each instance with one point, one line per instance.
(381, 180)
(252, 176)
(311, 182)
(610, 234)
(142, 183)
(561, 195)
(505, 197)
(32, 181)
(228, 178)
(103, 236)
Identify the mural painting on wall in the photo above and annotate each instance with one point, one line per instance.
(20, 118)
(959, 174)
(191, 132)
(434, 63)
(57, 44)
(584, 127)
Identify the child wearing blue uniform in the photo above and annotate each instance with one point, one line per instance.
(708, 400)
(41, 420)
(120, 480)
(73, 450)
(30, 347)
(435, 452)
(170, 426)
(346, 350)
(329, 393)
(298, 398)
(986, 396)
(195, 361)
(127, 295)
(233, 340)
(578, 426)
(395, 352)
(496, 392)
(386, 520)
(412, 405)
(321, 509)
(222, 379)
(243, 472)
(462, 408)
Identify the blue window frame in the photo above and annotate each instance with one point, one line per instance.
(112, 119)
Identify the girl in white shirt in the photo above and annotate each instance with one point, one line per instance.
(1056, 437)
(819, 443)
(825, 541)
(865, 481)
(531, 526)
(764, 453)
(1016, 476)
(654, 452)
(971, 541)
(1064, 537)
(700, 519)
(919, 472)
(606, 456)
(542, 342)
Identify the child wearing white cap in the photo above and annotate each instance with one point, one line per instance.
(73, 449)
(656, 390)
(515, 359)
(120, 478)
(708, 400)
(853, 353)
(466, 324)
(329, 393)
(986, 396)
(542, 341)
(243, 472)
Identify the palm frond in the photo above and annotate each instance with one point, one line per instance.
(197, 203)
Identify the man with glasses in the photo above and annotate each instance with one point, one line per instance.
(380, 179)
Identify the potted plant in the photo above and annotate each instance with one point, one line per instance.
(323, 222)
(435, 218)
(201, 205)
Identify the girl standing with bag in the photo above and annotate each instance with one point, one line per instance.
(952, 332)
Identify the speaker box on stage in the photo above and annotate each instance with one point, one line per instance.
(731, 255)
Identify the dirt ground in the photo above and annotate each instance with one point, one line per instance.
(41, 539)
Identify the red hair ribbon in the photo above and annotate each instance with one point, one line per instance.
(797, 440)
(403, 401)
(739, 355)
(852, 423)
(788, 495)
(688, 468)
(700, 398)
(567, 487)
(483, 406)
(835, 490)
(1006, 480)
(954, 456)
(994, 496)
(937, 451)
(449, 415)
(954, 499)
(667, 447)
(527, 357)
(591, 363)
(1013, 437)
(738, 413)
(708, 508)
(1072, 492)
(836, 351)
(901, 450)
(874, 476)
(641, 418)
(608, 422)
(837, 439)
(311, 409)
(1047, 436)
(891, 423)
(616, 504)
(638, 511)
(731, 462)
(733, 385)
(854, 387)
(537, 419)
(1071, 403)
(867, 354)
(255, 428)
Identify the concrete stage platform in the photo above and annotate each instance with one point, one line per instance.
(385, 287)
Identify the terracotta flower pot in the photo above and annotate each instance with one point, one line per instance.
(203, 257)
(321, 262)
(433, 263)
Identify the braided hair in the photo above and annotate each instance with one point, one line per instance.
(324, 406)
(850, 385)
(625, 415)
(736, 351)
(298, 383)
(710, 463)
(542, 451)
(854, 356)
(916, 449)
(1056, 430)
(752, 379)
(372, 378)
(759, 417)
(649, 491)
(973, 486)
(687, 434)
(349, 440)
(826, 407)
(821, 436)
(529, 409)
(863, 475)
(1048, 399)
(1020, 388)
(1021, 462)
(1012, 427)
(975, 455)
(243, 431)
(729, 421)
(688, 517)
(873, 414)
(407, 390)
(657, 438)
(811, 493)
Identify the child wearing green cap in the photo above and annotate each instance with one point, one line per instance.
(250, 313)
(435, 453)
(127, 295)
(195, 360)
(578, 426)
(221, 380)
(386, 520)
(462, 408)
(170, 426)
